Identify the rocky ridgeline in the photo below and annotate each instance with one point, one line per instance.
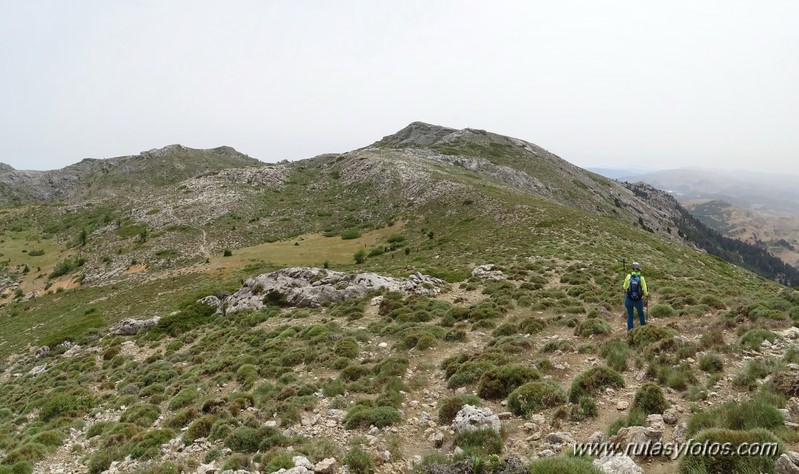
(307, 287)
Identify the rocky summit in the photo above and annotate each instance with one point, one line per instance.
(440, 301)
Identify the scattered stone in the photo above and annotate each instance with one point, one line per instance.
(302, 461)
(655, 421)
(437, 439)
(488, 272)
(42, 351)
(788, 463)
(471, 418)
(617, 464)
(206, 469)
(790, 333)
(311, 287)
(505, 415)
(671, 416)
(382, 345)
(325, 466)
(622, 405)
(38, 370)
(131, 327)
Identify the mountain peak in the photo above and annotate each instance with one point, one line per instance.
(416, 134)
(5, 167)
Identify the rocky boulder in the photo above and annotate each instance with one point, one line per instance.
(788, 463)
(471, 418)
(131, 327)
(312, 287)
(488, 272)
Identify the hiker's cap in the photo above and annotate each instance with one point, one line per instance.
(636, 266)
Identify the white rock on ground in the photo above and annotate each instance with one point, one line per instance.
(471, 418)
(617, 464)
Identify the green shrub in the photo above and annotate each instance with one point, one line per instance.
(67, 266)
(711, 362)
(732, 463)
(143, 415)
(482, 443)
(713, 301)
(247, 374)
(649, 399)
(361, 416)
(593, 380)
(534, 396)
(785, 383)
(733, 415)
(28, 452)
(498, 382)
(584, 409)
(148, 446)
(662, 310)
(246, 439)
(592, 326)
(227, 253)
(563, 464)
(753, 338)
(350, 234)
(643, 336)
(347, 347)
(185, 397)
(199, 428)
(359, 461)
(236, 462)
(359, 256)
(61, 403)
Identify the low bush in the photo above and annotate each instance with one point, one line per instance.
(643, 336)
(358, 461)
(711, 362)
(593, 380)
(649, 399)
(143, 415)
(662, 310)
(563, 464)
(482, 443)
(756, 412)
(616, 354)
(592, 326)
(499, 382)
(534, 396)
(361, 416)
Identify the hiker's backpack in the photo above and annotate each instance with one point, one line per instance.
(634, 291)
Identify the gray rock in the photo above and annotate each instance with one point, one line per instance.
(206, 469)
(671, 416)
(311, 287)
(788, 463)
(131, 327)
(680, 433)
(437, 439)
(42, 351)
(596, 438)
(38, 370)
(617, 464)
(488, 272)
(325, 466)
(302, 461)
(471, 418)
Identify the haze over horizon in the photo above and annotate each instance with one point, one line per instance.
(616, 85)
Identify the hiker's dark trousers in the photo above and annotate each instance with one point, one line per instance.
(639, 306)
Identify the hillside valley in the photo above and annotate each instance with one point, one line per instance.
(440, 301)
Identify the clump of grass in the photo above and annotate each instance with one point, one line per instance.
(756, 412)
(711, 363)
(361, 416)
(534, 396)
(732, 463)
(616, 354)
(350, 234)
(358, 461)
(559, 345)
(593, 380)
(143, 415)
(570, 464)
(649, 399)
(481, 443)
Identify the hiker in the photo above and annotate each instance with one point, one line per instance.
(634, 293)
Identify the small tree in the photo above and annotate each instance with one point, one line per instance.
(360, 256)
(83, 237)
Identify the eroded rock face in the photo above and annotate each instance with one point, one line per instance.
(311, 287)
(488, 272)
(131, 327)
(788, 463)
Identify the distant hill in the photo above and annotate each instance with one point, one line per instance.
(770, 192)
(114, 176)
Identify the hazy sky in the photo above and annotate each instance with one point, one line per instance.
(610, 83)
